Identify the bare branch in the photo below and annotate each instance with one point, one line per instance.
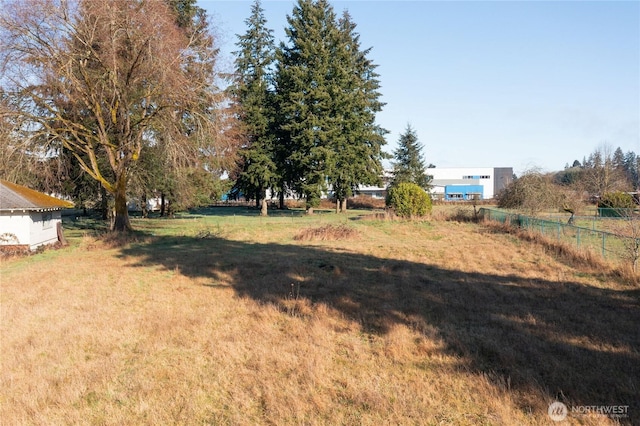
(104, 79)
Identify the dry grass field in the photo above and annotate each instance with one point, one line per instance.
(223, 317)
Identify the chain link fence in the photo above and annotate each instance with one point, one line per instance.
(611, 246)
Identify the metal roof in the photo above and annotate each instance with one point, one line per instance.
(18, 197)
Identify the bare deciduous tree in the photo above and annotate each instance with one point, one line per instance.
(628, 227)
(531, 193)
(105, 78)
(600, 174)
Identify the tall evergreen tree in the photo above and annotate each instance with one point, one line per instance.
(357, 145)
(327, 92)
(631, 169)
(618, 159)
(409, 163)
(306, 113)
(253, 92)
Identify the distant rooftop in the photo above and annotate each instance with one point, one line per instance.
(18, 197)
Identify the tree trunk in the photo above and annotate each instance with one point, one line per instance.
(343, 206)
(61, 237)
(309, 210)
(281, 196)
(104, 203)
(121, 222)
(263, 208)
(162, 206)
(143, 206)
(82, 203)
(337, 205)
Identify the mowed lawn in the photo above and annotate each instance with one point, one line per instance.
(223, 317)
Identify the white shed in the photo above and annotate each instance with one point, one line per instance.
(29, 218)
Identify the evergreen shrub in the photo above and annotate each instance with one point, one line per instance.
(614, 204)
(409, 200)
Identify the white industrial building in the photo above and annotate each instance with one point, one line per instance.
(456, 183)
(468, 183)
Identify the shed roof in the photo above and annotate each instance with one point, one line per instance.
(18, 197)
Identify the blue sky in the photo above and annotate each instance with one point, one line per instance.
(533, 84)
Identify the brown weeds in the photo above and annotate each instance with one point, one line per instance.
(387, 215)
(365, 202)
(581, 258)
(112, 239)
(449, 323)
(7, 252)
(328, 233)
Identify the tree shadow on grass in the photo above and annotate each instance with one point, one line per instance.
(249, 211)
(573, 342)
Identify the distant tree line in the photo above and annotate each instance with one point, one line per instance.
(602, 175)
(604, 170)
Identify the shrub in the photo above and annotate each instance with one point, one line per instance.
(531, 193)
(613, 204)
(616, 200)
(365, 202)
(409, 200)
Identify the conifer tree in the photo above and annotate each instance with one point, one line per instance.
(409, 164)
(618, 159)
(327, 99)
(631, 169)
(253, 93)
(357, 145)
(304, 99)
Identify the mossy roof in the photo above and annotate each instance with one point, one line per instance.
(18, 197)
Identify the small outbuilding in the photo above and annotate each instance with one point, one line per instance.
(28, 218)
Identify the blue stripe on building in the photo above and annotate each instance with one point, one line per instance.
(463, 192)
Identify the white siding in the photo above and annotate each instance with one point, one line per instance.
(30, 228)
(44, 228)
(16, 224)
